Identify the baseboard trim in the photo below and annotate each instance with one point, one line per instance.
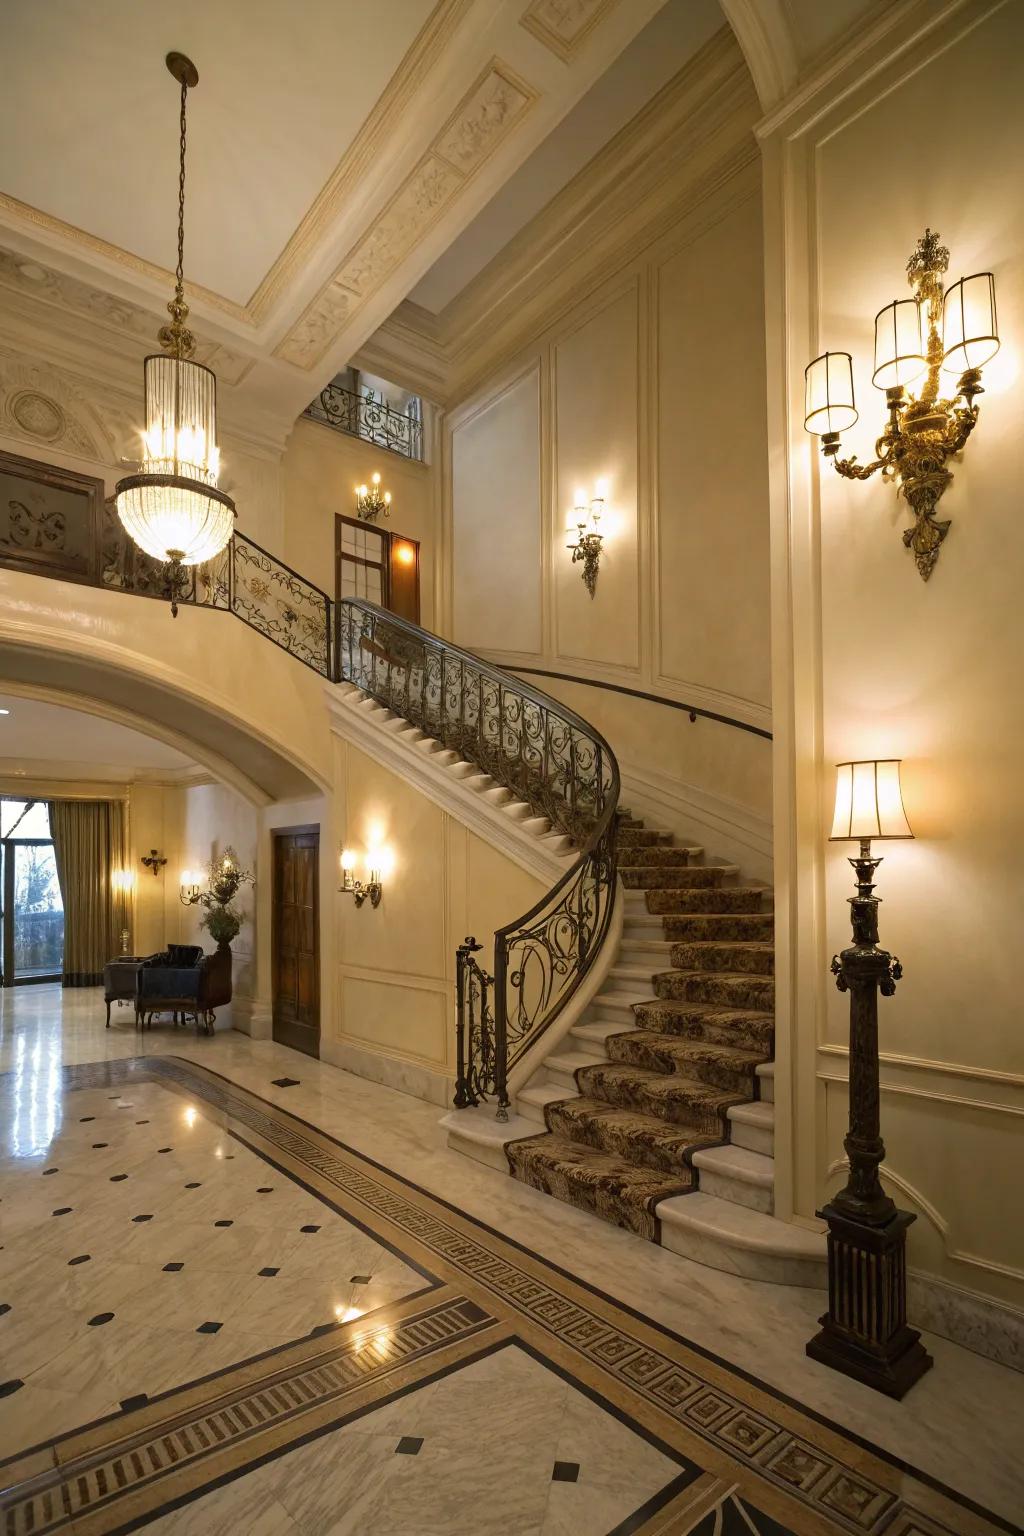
(412, 1077)
(988, 1327)
(253, 1017)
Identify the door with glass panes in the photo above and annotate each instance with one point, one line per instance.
(378, 565)
(32, 921)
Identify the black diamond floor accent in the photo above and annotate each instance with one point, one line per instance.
(165, 1149)
(5, 1306)
(117, 1178)
(98, 1144)
(209, 1327)
(193, 1186)
(268, 1189)
(147, 1217)
(142, 1122)
(359, 1279)
(285, 1082)
(85, 1119)
(269, 1271)
(173, 1268)
(100, 1319)
(63, 1210)
(7, 1387)
(138, 1401)
(50, 1170)
(409, 1445)
(82, 1258)
(565, 1472)
(309, 1229)
(224, 1223)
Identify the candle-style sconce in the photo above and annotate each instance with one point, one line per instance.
(585, 521)
(371, 501)
(372, 890)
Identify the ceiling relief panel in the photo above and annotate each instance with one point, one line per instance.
(497, 103)
(563, 25)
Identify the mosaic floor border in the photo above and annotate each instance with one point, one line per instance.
(745, 1451)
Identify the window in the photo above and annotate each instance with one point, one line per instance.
(378, 565)
(33, 912)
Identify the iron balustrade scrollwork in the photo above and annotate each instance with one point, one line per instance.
(244, 579)
(547, 756)
(370, 418)
(474, 1026)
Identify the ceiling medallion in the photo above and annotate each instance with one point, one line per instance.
(172, 508)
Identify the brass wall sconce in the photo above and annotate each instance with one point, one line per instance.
(188, 890)
(372, 890)
(865, 1333)
(371, 501)
(153, 861)
(952, 330)
(585, 521)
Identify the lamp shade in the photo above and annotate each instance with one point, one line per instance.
(899, 354)
(828, 393)
(173, 508)
(868, 801)
(970, 330)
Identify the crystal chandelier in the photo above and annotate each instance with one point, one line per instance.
(172, 508)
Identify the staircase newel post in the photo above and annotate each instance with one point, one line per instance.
(500, 1029)
(463, 1095)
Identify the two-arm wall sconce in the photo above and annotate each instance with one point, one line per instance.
(953, 330)
(371, 501)
(373, 889)
(188, 890)
(586, 521)
(153, 861)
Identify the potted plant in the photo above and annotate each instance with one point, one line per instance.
(225, 877)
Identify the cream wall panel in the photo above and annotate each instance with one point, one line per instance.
(497, 892)
(212, 818)
(398, 1017)
(496, 522)
(712, 525)
(147, 829)
(596, 401)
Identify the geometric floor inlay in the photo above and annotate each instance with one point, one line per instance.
(222, 1319)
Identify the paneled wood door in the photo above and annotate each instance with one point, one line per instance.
(297, 938)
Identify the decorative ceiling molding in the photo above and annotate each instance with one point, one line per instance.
(696, 134)
(496, 102)
(117, 315)
(563, 25)
(763, 31)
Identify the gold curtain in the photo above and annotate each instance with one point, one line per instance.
(89, 846)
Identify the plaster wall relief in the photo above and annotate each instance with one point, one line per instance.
(495, 104)
(48, 410)
(563, 25)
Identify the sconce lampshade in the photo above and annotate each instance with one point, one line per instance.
(899, 354)
(868, 801)
(970, 331)
(173, 507)
(828, 394)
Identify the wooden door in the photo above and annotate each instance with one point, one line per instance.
(297, 939)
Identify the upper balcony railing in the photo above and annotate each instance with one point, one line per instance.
(372, 419)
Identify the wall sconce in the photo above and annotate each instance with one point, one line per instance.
(864, 1333)
(371, 501)
(153, 861)
(955, 331)
(122, 882)
(188, 891)
(587, 544)
(355, 888)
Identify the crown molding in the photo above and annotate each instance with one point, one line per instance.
(695, 135)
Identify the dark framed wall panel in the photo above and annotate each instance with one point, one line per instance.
(51, 520)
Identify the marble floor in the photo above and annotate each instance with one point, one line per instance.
(202, 1237)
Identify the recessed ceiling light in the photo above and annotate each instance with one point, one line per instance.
(33, 271)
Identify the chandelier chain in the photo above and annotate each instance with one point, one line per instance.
(176, 338)
(180, 269)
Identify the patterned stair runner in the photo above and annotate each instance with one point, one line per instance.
(664, 1092)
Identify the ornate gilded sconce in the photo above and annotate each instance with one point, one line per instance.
(373, 889)
(153, 861)
(585, 522)
(371, 501)
(952, 330)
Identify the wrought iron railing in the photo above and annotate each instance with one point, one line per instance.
(245, 579)
(370, 418)
(546, 755)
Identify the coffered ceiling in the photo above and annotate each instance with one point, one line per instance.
(336, 149)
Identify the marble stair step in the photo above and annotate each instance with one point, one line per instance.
(630, 978)
(668, 1095)
(640, 952)
(640, 1139)
(641, 925)
(593, 1033)
(736, 1174)
(753, 1126)
(535, 825)
(732, 991)
(748, 1028)
(618, 1006)
(749, 957)
(609, 1187)
(560, 1069)
(725, 1067)
(719, 927)
(728, 898)
(643, 877)
(730, 1237)
(766, 1081)
(532, 1101)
